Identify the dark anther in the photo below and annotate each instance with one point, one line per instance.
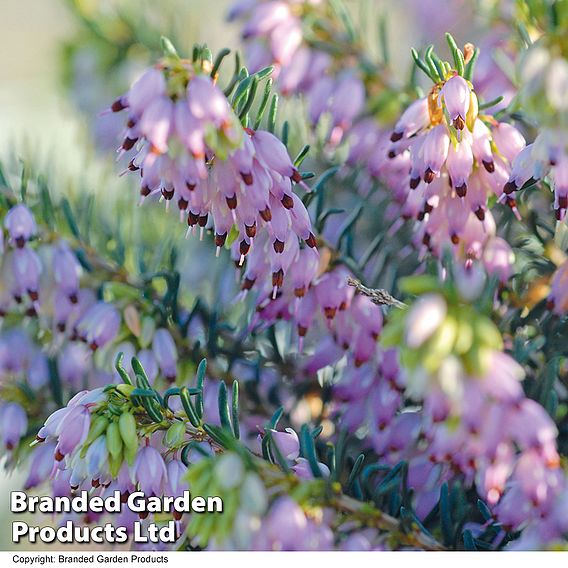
(244, 247)
(231, 201)
(192, 218)
(459, 122)
(461, 190)
(429, 175)
(128, 143)
(288, 202)
(278, 278)
(220, 239)
(330, 312)
(118, 105)
(167, 193)
(250, 230)
(266, 214)
(296, 176)
(311, 241)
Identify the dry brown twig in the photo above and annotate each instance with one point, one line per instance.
(378, 296)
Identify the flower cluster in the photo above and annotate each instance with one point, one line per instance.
(45, 281)
(546, 156)
(191, 148)
(455, 160)
(315, 293)
(56, 330)
(94, 442)
(41, 297)
(274, 34)
(476, 418)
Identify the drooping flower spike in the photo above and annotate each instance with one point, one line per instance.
(191, 148)
(456, 158)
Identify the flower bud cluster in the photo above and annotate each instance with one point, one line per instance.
(96, 441)
(244, 496)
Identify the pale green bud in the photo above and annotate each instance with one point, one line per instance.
(113, 439)
(175, 434)
(127, 429)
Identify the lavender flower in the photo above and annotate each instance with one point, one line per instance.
(73, 363)
(14, 424)
(99, 325)
(72, 430)
(66, 271)
(20, 224)
(165, 352)
(288, 443)
(150, 471)
(456, 96)
(41, 466)
(27, 268)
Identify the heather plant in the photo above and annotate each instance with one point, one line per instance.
(352, 326)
